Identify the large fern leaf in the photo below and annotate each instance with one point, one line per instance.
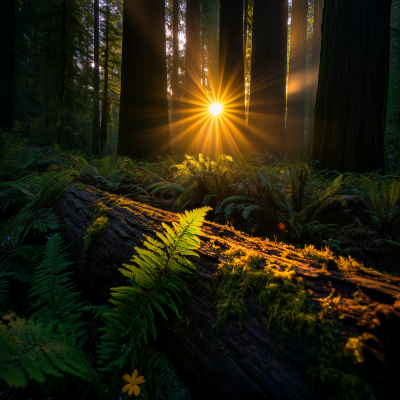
(54, 296)
(156, 285)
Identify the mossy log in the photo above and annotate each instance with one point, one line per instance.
(252, 363)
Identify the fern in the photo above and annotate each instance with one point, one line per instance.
(30, 351)
(156, 285)
(52, 290)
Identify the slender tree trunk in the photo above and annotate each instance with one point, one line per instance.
(316, 51)
(96, 83)
(176, 95)
(268, 76)
(61, 138)
(143, 118)
(233, 131)
(351, 106)
(105, 105)
(7, 61)
(194, 99)
(246, 17)
(297, 77)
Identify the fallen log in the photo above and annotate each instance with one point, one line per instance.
(252, 363)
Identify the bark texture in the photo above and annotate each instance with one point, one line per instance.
(195, 102)
(143, 118)
(7, 51)
(268, 76)
(233, 135)
(176, 95)
(248, 365)
(316, 52)
(297, 78)
(351, 106)
(105, 104)
(96, 83)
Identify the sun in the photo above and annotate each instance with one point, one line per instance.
(215, 108)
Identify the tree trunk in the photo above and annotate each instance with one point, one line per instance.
(211, 13)
(316, 51)
(7, 51)
(96, 84)
(176, 93)
(268, 76)
(195, 101)
(105, 105)
(251, 364)
(297, 78)
(232, 124)
(351, 106)
(143, 119)
(246, 24)
(60, 137)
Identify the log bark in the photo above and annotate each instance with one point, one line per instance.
(251, 364)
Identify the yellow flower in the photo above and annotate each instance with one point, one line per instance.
(133, 383)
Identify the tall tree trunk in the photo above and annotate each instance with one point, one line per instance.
(297, 77)
(60, 137)
(194, 99)
(176, 95)
(143, 118)
(350, 111)
(212, 44)
(96, 83)
(105, 105)
(316, 51)
(268, 76)
(246, 24)
(233, 138)
(7, 51)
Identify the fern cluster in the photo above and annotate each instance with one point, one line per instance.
(31, 351)
(156, 285)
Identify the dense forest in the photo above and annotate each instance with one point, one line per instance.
(200, 199)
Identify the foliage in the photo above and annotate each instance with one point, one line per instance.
(31, 351)
(52, 290)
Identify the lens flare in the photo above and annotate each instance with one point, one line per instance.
(215, 108)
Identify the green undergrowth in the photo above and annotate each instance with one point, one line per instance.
(284, 297)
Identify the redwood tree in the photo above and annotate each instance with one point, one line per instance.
(143, 118)
(297, 77)
(268, 76)
(96, 83)
(350, 111)
(231, 78)
(7, 42)
(316, 50)
(176, 103)
(193, 93)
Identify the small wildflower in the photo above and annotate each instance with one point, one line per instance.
(281, 226)
(133, 383)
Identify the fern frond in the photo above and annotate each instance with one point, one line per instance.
(54, 295)
(156, 286)
(30, 351)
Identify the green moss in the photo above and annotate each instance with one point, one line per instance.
(98, 225)
(279, 291)
(244, 275)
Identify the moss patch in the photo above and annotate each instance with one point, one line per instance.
(340, 368)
